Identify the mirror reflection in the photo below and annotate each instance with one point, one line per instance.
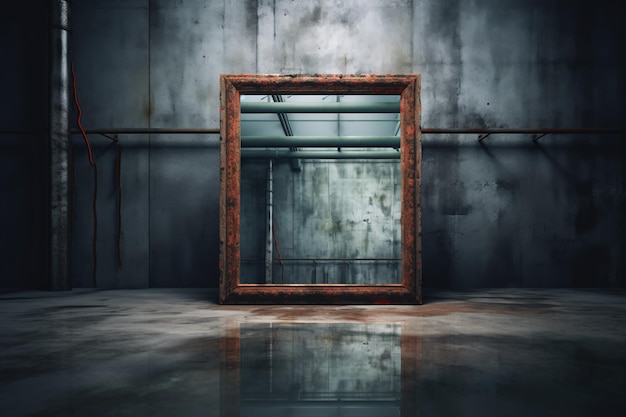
(317, 369)
(320, 189)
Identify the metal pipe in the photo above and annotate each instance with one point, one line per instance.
(269, 223)
(59, 146)
(287, 154)
(282, 117)
(506, 130)
(320, 141)
(424, 130)
(330, 107)
(151, 130)
(296, 164)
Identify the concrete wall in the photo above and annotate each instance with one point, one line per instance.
(330, 211)
(505, 213)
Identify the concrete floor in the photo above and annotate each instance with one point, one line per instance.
(169, 352)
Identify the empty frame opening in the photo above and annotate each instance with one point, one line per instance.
(320, 189)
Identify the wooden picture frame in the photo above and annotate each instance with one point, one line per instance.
(231, 289)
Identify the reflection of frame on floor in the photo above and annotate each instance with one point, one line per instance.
(231, 289)
(230, 375)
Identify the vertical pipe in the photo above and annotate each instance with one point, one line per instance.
(338, 122)
(269, 222)
(59, 146)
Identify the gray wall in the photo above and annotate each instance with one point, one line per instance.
(505, 213)
(344, 214)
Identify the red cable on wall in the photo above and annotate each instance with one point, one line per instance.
(80, 115)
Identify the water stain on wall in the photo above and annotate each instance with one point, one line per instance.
(333, 228)
(251, 13)
(385, 208)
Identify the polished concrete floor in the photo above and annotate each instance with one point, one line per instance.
(177, 353)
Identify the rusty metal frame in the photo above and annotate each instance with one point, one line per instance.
(231, 290)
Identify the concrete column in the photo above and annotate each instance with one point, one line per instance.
(59, 146)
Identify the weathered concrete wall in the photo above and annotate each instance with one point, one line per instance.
(508, 213)
(343, 214)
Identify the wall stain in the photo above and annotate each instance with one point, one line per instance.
(507, 185)
(366, 240)
(316, 15)
(333, 228)
(349, 18)
(385, 208)
(251, 13)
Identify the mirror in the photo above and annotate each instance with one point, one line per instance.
(320, 189)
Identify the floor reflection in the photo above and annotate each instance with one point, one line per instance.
(317, 369)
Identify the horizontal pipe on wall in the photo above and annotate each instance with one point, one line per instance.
(320, 141)
(287, 154)
(151, 130)
(330, 107)
(424, 130)
(506, 130)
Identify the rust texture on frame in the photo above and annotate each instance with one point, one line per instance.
(231, 290)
